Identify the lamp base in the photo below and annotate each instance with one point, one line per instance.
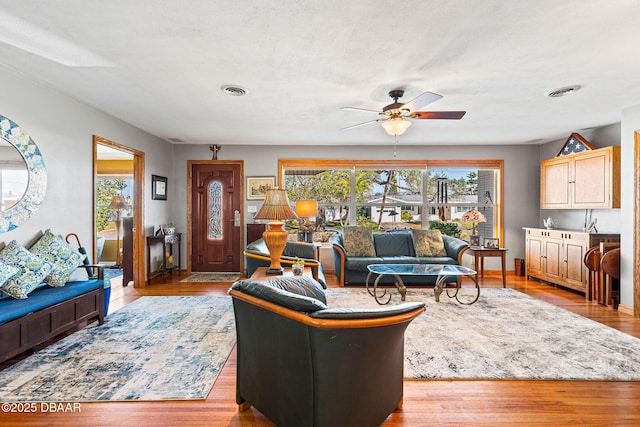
(275, 271)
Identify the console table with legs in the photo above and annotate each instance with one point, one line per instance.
(168, 241)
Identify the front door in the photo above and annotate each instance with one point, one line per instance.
(216, 197)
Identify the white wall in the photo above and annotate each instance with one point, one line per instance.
(521, 167)
(63, 127)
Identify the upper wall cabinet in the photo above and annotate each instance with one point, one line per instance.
(586, 180)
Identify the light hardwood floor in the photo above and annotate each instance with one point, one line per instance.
(426, 403)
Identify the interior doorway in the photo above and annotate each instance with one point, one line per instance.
(118, 170)
(215, 205)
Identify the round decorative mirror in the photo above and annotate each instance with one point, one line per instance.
(23, 176)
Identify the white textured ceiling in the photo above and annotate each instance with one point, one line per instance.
(159, 65)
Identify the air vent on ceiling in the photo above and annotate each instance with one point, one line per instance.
(563, 91)
(234, 90)
(176, 140)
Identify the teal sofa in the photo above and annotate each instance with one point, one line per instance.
(391, 248)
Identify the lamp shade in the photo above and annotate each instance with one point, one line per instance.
(474, 216)
(396, 126)
(306, 208)
(117, 202)
(276, 206)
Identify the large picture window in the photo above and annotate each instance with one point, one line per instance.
(397, 195)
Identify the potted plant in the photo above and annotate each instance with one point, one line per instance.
(297, 267)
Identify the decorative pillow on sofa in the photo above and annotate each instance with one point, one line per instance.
(33, 270)
(428, 243)
(358, 242)
(56, 251)
(7, 272)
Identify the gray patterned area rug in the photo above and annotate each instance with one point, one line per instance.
(505, 335)
(156, 348)
(212, 277)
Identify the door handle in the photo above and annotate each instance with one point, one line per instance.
(236, 218)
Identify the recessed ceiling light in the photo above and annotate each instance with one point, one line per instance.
(234, 90)
(562, 91)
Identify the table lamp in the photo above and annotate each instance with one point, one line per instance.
(307, 209)
(118, 204)
(474, 217)
(275, 208)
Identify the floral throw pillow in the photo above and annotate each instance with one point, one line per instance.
(7, 272)
(358, 242)
(33, 270)
(428, 243)
(56, 251)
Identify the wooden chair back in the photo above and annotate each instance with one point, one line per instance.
(610, 267)
(592, 262)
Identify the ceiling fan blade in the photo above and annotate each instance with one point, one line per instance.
(361, 124)
(366, 110)
(451, 115)
(421, 100)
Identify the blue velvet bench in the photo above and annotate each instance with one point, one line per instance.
(48, 312)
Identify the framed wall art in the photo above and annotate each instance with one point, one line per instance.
(158, 187)
(257, 186)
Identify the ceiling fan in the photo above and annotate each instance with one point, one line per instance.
(395, 113)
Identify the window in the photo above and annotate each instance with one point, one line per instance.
(399, 194)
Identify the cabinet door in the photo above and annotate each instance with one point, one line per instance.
(575, 274)
(553, 258)
(533, 261)
(592, 180)
(555, 178)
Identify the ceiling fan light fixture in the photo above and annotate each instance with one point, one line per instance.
(395, 127)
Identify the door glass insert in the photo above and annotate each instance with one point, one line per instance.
(215, 210)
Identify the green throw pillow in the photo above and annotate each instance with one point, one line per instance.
(56, 251)
(33, 270)
(358, 242)
(428, 243)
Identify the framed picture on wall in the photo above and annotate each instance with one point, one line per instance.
(158, 187)
(257, 186)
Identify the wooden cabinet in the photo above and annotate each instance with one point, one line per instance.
(254, 232)
(586, 180)
(127, 250)
(556, 256)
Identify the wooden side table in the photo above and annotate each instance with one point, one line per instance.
(480, 252)
(261, 273)
(168, 241)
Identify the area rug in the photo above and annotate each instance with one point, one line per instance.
(212, 277)
(156, 348)
(505, 335)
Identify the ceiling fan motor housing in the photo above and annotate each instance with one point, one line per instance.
(394, 109)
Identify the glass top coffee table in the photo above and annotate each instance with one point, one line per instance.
(443, 272)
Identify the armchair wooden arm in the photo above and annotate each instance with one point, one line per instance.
(327, 323)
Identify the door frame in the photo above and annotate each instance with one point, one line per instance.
(190, 164)
(138, 205)
(636, 225)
